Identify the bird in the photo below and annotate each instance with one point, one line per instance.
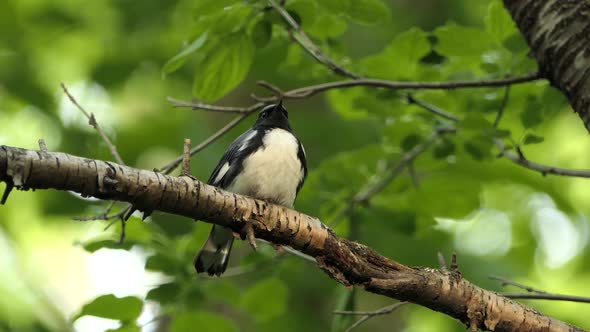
(266, 162)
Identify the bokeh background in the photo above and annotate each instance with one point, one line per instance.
(499, 218)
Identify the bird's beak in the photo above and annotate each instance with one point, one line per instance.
(280, 104)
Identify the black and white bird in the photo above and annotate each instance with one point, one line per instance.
(266, 162)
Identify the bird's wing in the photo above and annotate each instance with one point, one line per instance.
(303, 160)
(231, 162)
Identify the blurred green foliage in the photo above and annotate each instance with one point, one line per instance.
(122, 58)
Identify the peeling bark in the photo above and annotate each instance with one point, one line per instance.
(348, 262)
(558, 33)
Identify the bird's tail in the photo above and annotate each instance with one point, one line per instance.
(214, 255)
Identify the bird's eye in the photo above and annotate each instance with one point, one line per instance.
(263, 115)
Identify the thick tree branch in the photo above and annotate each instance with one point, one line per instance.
(348, 262)
(558, 34)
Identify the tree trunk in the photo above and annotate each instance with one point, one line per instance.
(558, 33)
(348, 262)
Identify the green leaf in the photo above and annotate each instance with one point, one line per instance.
(336, 6)
(126, 328)
(108, 242)
(343, 103)
(410, 141)
(163, 263)
(265, 300)
(125, 309)
(344, 302)
(209, 7)
(367, 12)
(165, 293)
(456, 40)
(178, 60)
(401, 56)
(223, 68)
(327, 26)
(479, 148)
(532, 139)
(381, 213)
(475, 121)
(532, 115)
(460, 190)
(443, 149)
(553, 101)
(304, 10)
(201, 321)
(498, 22)
(261, 33)
(230, 19)
(516, 43)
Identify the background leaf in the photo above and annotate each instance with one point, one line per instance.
(224, 67)
(367, 11)
(125, 309)
(179, 59)
(265, 300)
(204, 321)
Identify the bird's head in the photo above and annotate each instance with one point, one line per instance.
(273, 116)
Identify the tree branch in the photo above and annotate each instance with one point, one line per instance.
(308, 91)
(348, 262)
(519, 158)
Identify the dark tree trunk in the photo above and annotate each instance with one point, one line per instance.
(558, 33)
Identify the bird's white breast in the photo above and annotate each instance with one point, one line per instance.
(272, 172)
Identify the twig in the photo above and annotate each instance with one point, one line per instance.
(379, 181)
(502, 106)
(442, 264)
(521, 160)
(302, 39)
(413, 175)
(454, 267)
(197, 105)
(544, 169)
(7, 191)
(308, 91)
(186, 160)
(364, 195)
(537, 294)
(92, 121)
(167, 169)
(552, 297)
(42, 145)
(278, 92)
(506, 281)
(102, 216)
(431, 108)
(395, 85)
(369, 314)
(249, 235)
